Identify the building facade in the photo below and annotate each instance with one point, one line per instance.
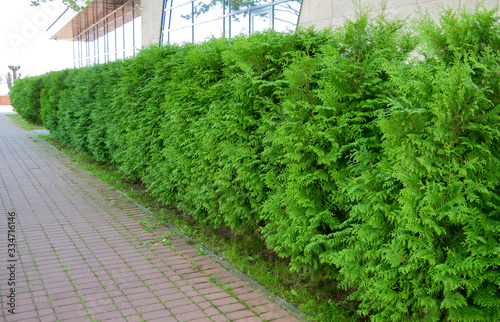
(107, 30)
(330, 13)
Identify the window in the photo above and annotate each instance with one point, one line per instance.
(116, 35)
(198, 20)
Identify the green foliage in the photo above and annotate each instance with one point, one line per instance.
(52, 87)
(326, 127)
(25, 98)
(422, 237)
(343, 153)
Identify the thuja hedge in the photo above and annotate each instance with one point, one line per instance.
(356, 153)
(26, 98)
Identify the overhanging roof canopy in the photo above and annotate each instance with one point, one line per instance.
(95, 16)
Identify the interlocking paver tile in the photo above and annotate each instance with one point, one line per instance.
(274, 314)
(184, 309)
(221, 318)
(190, 316)
(240, 314)
(80, 253)
(232, 307)
(257, 302)
(225, 301)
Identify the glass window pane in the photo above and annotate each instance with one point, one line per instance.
(206, 10)
(261, 19)
(100, 46)
(236, 5)
(166, 25)
(138, 33)
(239, 24)
(119, 42)
(91, 53)
(181, 36)
(176, 3)
(286, 16)
(181, 17)
(205, 31)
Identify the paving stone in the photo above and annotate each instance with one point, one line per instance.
(220, 318)
(240, 314)
(287, 319)
(190, 316)
(250, 319)
(81, 252)
(224, 301)
(184, 309)
(274, 314)
(231, 307)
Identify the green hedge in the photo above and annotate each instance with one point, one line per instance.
(25, 98)
(362, 154)
(422, 238)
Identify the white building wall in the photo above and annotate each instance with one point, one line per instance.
(331, 13)
(151, 21)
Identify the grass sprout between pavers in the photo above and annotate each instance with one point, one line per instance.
(319, 300)
(25, 124)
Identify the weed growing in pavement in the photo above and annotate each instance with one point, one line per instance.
(195, 266)
(202, 251)
(215, 279)
(148, 224)
(165, 238)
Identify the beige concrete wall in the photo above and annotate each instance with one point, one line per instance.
(328, 13)
(151, 21)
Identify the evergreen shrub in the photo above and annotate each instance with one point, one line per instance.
(361, 154)
(25, 98)
(53, 86)
(422, 237)
(328, 110)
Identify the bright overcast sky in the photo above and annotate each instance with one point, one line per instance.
(25, 42)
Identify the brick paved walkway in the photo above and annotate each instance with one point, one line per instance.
(82, 255)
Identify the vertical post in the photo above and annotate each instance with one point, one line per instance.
(86, 46)
(116, 45)
(106, 40)
(107, 37)
(104, 32)
(87, 41)
(78, 50)
(98, 47)
(170, 19)
(80, 53)
(192, 21)
(162, 27)
(272, 14)
(95, 58)
(133, 27)
(230, 16)
(224, 18)
(123, 27)
(250, 22)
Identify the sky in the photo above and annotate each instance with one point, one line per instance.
(25, 42)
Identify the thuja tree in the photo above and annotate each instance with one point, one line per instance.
(422, 240)
(26, 98)
(53, 87)
(328, 110)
